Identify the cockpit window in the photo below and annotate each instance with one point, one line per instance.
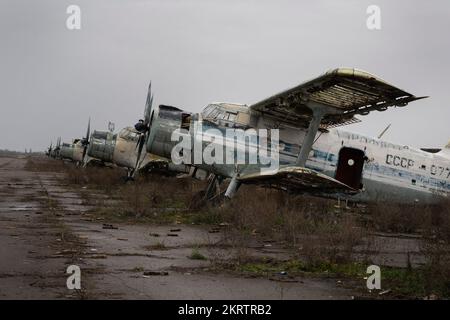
(232, 116)
(133, 136)
(207, 111)
(185, 121)
(123, 133)
(214, 113)
(129, 135)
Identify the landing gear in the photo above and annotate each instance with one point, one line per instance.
(232, 187)
(339, 204)
(212, 194)
(213, 188)
(129, 176)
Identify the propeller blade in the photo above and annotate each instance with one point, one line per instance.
(148, 104)
(86, 141)
(49, 150)
(88, 130)
(144, 128)
(84, 153)
(140, 145)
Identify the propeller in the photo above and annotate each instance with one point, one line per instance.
(57, 148)
(143, 126)
(49, 150)
(85, 140)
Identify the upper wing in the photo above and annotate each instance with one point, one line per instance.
(299, 179)
(347, 91)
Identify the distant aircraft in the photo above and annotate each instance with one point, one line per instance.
(54, 152)
(315, 157)
(120, 149)
(76, 151)
(49, 149)
(123, 150)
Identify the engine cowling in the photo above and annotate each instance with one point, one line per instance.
(164, 120)
(66, 151)
(101, 145)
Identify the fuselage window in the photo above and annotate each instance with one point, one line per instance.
(214, 114)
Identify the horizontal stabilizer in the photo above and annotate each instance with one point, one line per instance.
(446, 151)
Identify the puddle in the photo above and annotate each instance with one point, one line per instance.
(19, 209)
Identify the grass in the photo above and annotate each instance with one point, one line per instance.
(196, 255)
(41, 164)
(321, 238)
(296, 267)
(403, 283)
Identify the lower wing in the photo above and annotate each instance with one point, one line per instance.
(297, 179)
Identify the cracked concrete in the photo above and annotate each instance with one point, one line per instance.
(44, 229)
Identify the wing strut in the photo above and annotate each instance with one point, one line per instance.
(319, 111)
(233, 186)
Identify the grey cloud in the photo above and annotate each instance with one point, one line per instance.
(195, 52)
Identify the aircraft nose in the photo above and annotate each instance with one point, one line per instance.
(141, 127)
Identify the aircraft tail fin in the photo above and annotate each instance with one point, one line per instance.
(446, 151)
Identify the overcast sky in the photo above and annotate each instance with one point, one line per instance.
(195, 52)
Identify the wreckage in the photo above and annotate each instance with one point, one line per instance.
(305, 152)
(315, 157)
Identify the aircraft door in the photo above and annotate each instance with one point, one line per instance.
(350, 167)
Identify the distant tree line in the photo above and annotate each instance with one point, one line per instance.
(6, 152)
